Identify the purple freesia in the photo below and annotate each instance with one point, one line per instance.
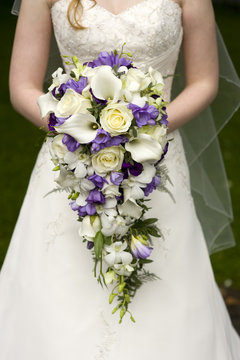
(164, 118)
(55, 121)
(88, 209)
(90, 245)
(105, 58)
(95, 197)
(116, 177)
(144, 115)
(97, 180)
(140, 247)
(77, 86)
(71, 144)
(135, 169)
(103, 139)
(152, 185)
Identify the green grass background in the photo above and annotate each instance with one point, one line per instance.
(20, 143)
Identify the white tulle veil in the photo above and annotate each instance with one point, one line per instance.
(209, 182)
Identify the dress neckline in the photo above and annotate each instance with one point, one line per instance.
(128, 9)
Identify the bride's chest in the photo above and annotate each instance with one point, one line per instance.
(149, 28)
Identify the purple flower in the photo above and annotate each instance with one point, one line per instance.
(71, 144)
(90, 245)
(152, 185)
(140, 247)
(116, 177)
(105, 58)
(135, 169)
(164, 118)
(88, 209)
(144, 115)
(98, 180)
(95, 197)
(55, 121)
(77, 86)
(103, 139)
(74, 205)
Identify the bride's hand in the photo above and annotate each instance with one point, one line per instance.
(201, 63)
(29, 58)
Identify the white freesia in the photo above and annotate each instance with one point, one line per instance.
(72, 103)
(82, 127)
(89, 226)
(157, 132)
(155, 76)
(110, 190)
(57, 148)
(109, 208)
(47, 104)
(105, 85)
(144, 148)
(133, 185)
(76, 164)
(108, 159)
(130, 208)
(116, 253)
(133, 82)
(116, 118)
(58, 78)
(67, 180)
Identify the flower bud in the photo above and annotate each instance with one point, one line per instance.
(121, 287)
(112, 297)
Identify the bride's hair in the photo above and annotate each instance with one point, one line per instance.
(74, 14)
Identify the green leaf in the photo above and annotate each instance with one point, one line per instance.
(150, 221)
(98, 244)
(107, 240)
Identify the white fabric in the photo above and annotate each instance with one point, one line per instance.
(51, 307)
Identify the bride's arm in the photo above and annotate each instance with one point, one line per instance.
(201, 63)
(29, 58)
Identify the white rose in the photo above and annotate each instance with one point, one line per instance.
(72, 103)
(108, 159)
(58, 149)
(116, 118)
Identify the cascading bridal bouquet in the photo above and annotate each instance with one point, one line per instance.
(108, 130)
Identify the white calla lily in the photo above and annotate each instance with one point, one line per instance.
(130, 208)
(82, 127)
(47, 104)
(144, 148)
(105, 84)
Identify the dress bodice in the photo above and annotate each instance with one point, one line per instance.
(151, 29)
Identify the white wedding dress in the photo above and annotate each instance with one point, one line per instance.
(51, 307)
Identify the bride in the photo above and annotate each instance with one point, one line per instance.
(50, 304)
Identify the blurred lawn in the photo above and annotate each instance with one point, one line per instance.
(21, 142)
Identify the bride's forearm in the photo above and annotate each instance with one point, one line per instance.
(189, 103)
(25, 103)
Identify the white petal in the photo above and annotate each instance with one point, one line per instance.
(80, 127)
(105, 84)
(138, 100)
(47, 104)
(81, 200)
(86, 228)
(110, 258)
(87, 185)
(80, 171)
(130, 208)
(147, 174)
(126, 257)
(144, 148)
